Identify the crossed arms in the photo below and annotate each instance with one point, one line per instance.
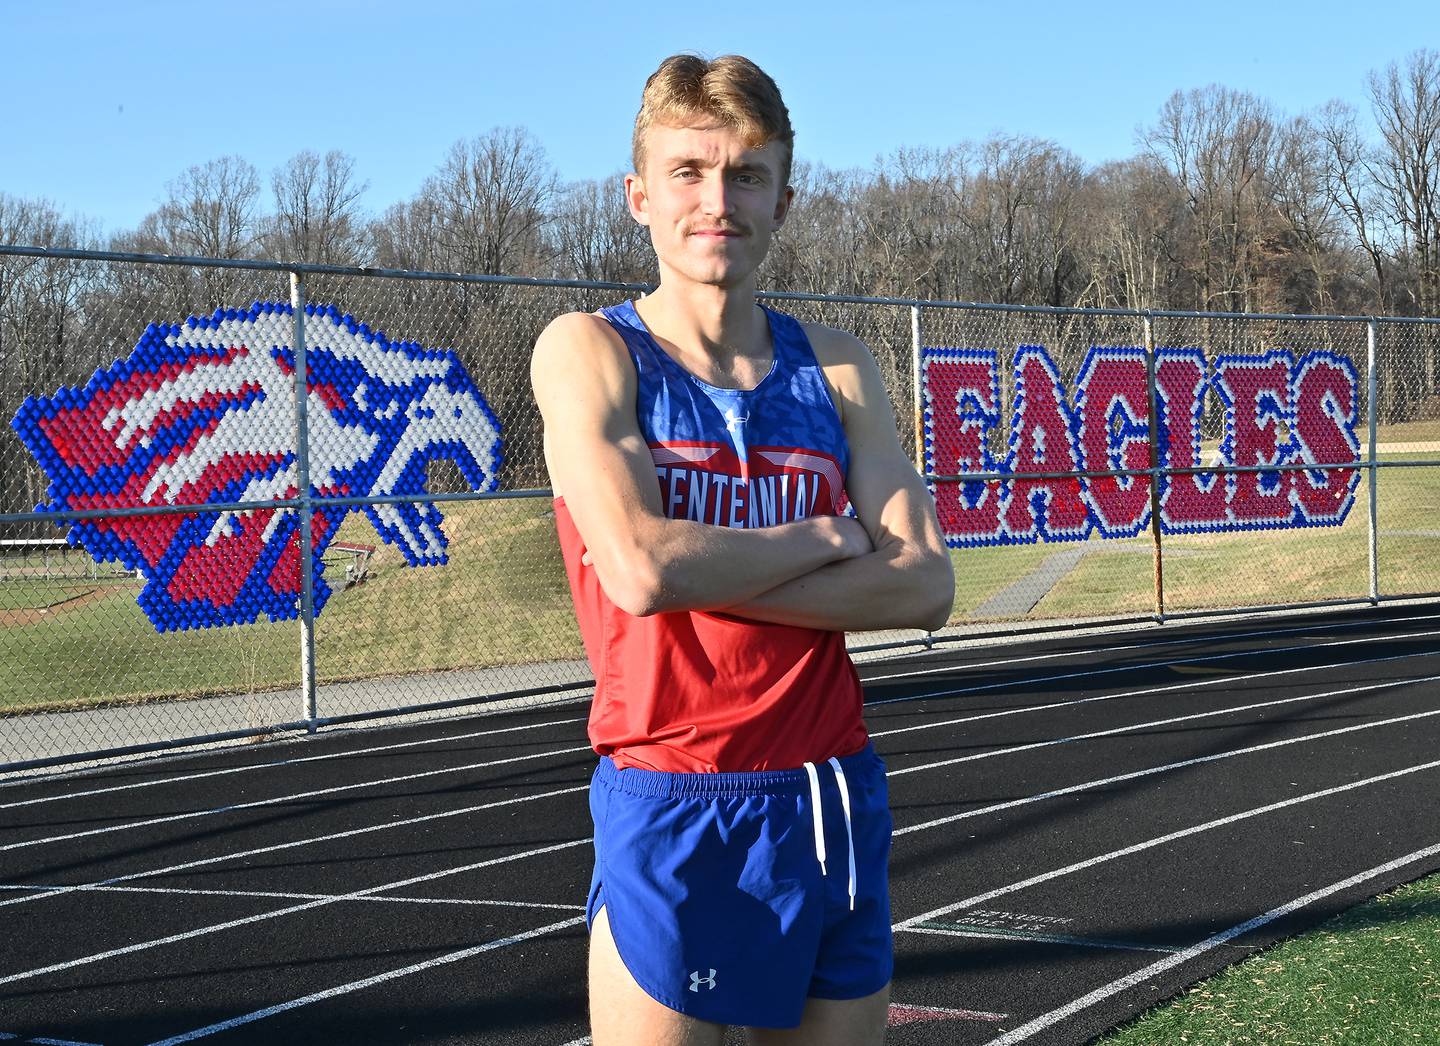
(888, 569)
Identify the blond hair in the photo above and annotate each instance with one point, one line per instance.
(731, 91)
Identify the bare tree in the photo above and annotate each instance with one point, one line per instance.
(491, 195)
(40, 302)
(1349, 182)
(209, 211)
(1406, 104)
(595, 236)
(1217, 144)
(317, 211)
(1135, 215)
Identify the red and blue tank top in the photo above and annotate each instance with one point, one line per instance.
(707, 692)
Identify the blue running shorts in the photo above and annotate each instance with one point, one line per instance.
(734, 897)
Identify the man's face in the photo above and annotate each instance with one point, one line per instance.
(711, 202)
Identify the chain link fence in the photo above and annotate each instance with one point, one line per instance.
(138, 389)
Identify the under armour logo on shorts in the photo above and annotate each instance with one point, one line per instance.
(696, 980)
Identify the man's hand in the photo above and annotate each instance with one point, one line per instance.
(905, 580)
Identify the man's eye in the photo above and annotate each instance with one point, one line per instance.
(687, 173)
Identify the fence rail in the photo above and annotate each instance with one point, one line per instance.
(197, 649)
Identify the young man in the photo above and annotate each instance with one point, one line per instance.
(741, 825)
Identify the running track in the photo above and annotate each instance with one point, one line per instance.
(1084, 825)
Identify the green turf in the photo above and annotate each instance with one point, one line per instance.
(34, 593)
(1368, 977)
(502, 599)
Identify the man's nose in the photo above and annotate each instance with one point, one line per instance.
(717, 196)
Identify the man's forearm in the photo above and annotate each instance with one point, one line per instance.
(889, 588)
(671, 565)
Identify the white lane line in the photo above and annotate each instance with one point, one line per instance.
(909, 1013)
(906, 924)
(1159, 840)
(317, 793)
(236, 854)
(292, 797)
(1080, 652)
(433, 741)
(290, 896)
(1191, 684)
(1043, 938)
(250, 920)
(1042, 680)
(1038, 1024)
(185, 866)
(1075, 653)
(379, 978)
(59, 1042)
(1129, 727)
(329, 899)
(1011, 804)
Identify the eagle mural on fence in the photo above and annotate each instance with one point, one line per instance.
(202, 412)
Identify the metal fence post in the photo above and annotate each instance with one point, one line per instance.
(917, 388)
(311, 710)
(1155, 539)
(1370, 367)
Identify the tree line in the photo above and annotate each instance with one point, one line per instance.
(1226, 205)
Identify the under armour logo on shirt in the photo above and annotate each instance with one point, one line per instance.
(734, 419)
(696, 980)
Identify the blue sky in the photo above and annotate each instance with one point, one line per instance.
(102, 103)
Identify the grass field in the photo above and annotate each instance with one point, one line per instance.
(502, 599)
(1368, 977)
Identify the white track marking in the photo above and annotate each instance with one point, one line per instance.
(410, 821)
(1044, 1021)
(56, 891)
(1011, 804)
(1056, 939)
(1170, 641)
(1051, 742)
(961, 1015)
(289, 896)
(250, 920)
(433, 741)
(379, 978)
(328, 899)
(1078, 652)
(1159, 840)
(292, 797)
(1189, 684)
(1112, 669)
(316, 793)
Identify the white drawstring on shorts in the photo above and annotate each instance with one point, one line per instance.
(816, 813)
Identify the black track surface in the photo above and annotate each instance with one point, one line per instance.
(1072, 813)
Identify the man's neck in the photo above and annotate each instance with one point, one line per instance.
(718, 325)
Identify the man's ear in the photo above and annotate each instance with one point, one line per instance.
(782, 207)
(635, 197)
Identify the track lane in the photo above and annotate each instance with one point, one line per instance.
(479, 987)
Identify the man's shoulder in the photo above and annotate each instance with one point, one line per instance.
(570, 329)
(833, 346)
(575, 343)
